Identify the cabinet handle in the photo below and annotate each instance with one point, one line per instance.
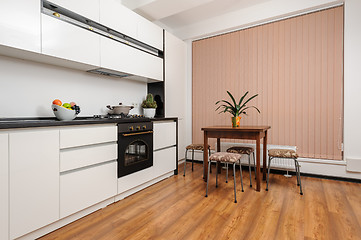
(56, 14)
(137, 133)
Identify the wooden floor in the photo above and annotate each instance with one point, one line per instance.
(177, 209)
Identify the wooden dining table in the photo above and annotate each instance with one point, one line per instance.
(243, 132)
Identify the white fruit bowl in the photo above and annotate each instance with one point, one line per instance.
(62, 113)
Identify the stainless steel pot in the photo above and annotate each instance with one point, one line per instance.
(119, 109)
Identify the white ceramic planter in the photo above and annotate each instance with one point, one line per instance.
(149, 112)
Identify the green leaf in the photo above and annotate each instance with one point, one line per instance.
(244, 104)
(241, 99)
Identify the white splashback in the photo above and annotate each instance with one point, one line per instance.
(27, 89)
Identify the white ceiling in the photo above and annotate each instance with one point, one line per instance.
(176, 14)
(192, 19)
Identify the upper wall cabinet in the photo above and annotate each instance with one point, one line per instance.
(114, 15)
(123, 58)
(70, 42)
(86, 8)
(20, 24)
(149, 33)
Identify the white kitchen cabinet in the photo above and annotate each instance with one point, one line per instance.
(164, 134)
(85, 8)
(149, 33)
(175, 85)
(85, 187)
(87, 135)
(88, 167)
(119, 18)
(4, 186)
(86, 156)
(20, 24)
(64, 40)
(34, 179)
(164, 161)
(135, 179)
(123, 58)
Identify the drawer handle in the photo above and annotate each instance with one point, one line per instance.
(138, 133)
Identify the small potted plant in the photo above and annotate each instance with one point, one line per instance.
(149, 106)
(236, 109)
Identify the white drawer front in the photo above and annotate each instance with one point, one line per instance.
(84, 188)
(135, 179)
(81, 136)
(86, 156)
(164, 161)
(164, 134)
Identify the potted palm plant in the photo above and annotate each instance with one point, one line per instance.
(236, 109)
(149, 106)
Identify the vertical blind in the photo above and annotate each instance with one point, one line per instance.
(296, 67)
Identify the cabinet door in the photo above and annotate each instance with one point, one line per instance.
(164, 134)
(149, 33)
(86, 8)
(123, 58)
(4, 187)
(20, 24)
(64, 40)
(175, 75)
(86, 187)
(119, 18)
(34, 180)
(164, 161)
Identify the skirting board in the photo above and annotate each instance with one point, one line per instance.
(321, 167)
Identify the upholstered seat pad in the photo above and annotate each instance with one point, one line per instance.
(196, 146)
(240, 150)
(225, 157)
(282, 153)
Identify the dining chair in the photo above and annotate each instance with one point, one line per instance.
(194, 147)
(247, 151)
(225, 157)
(285, 154)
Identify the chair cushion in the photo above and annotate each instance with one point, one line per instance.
(225, 157)
(282, 153)
(240, 150)
(196, 146)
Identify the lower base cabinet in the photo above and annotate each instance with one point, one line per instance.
(4, 186)
(85, 187)
(33, 179)
(165, 160)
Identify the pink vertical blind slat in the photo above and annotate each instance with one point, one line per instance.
(296, 67)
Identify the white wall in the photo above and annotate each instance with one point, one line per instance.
(277, 9)
(352, 84)
(27, 89)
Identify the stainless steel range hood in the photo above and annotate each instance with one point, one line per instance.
(112, 73)
(107, 72)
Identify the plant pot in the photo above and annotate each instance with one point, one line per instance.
(236, 121)
(149, 112)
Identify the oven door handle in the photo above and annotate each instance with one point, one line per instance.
(137, 133)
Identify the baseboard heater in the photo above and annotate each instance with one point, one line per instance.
(68, 16)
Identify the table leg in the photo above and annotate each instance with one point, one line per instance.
(219, 169)
(205, 157)
(264, 155)
(258, 163)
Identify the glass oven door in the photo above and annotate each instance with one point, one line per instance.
(135, 152)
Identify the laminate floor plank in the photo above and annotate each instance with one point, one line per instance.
(176, 208)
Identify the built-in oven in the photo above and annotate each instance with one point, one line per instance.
(135, 147)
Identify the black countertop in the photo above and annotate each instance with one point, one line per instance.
(10, 123)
